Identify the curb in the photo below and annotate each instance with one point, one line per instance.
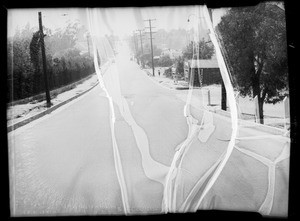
(182, 88)
(48, 111)
(243, 123)
(55, 91)
(261, 127)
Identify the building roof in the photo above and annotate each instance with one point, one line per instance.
(203, 63)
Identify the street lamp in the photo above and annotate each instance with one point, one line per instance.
(199, 17)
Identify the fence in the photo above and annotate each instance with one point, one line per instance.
(53, 93)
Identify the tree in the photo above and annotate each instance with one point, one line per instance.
(165, 61)
(254, 39)
(156, 51)
(180, 66)
(65, 64)
(146, 59)
(140, 57)
(168, 72)
(61, 39)
(147, 49)
(22, 70)
(175, 38)
(205, 50)
(36, 60)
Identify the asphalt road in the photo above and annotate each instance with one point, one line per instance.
(64, 163)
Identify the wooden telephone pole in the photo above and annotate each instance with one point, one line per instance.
(141, 40)
(150, 27)
(48, 98)
(142, 50)
(88, 44)
(135, 44)
(223, 89)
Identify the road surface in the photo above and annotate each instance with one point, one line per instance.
(65, 164)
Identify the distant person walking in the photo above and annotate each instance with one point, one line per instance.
(174, 75)
(158, 72)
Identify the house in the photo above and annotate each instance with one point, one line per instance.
(155, 59)
(205, 69)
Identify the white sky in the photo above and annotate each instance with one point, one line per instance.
(121, 20)
(52, 18)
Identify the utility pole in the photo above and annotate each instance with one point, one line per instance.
(48, 98)
(142, 51)
(150, 27)
(141, 40)
(134, 44)
(87, 39)
(223, 89)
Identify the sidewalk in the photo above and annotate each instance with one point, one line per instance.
(167, 82)
(273, 113)
(21, 112)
